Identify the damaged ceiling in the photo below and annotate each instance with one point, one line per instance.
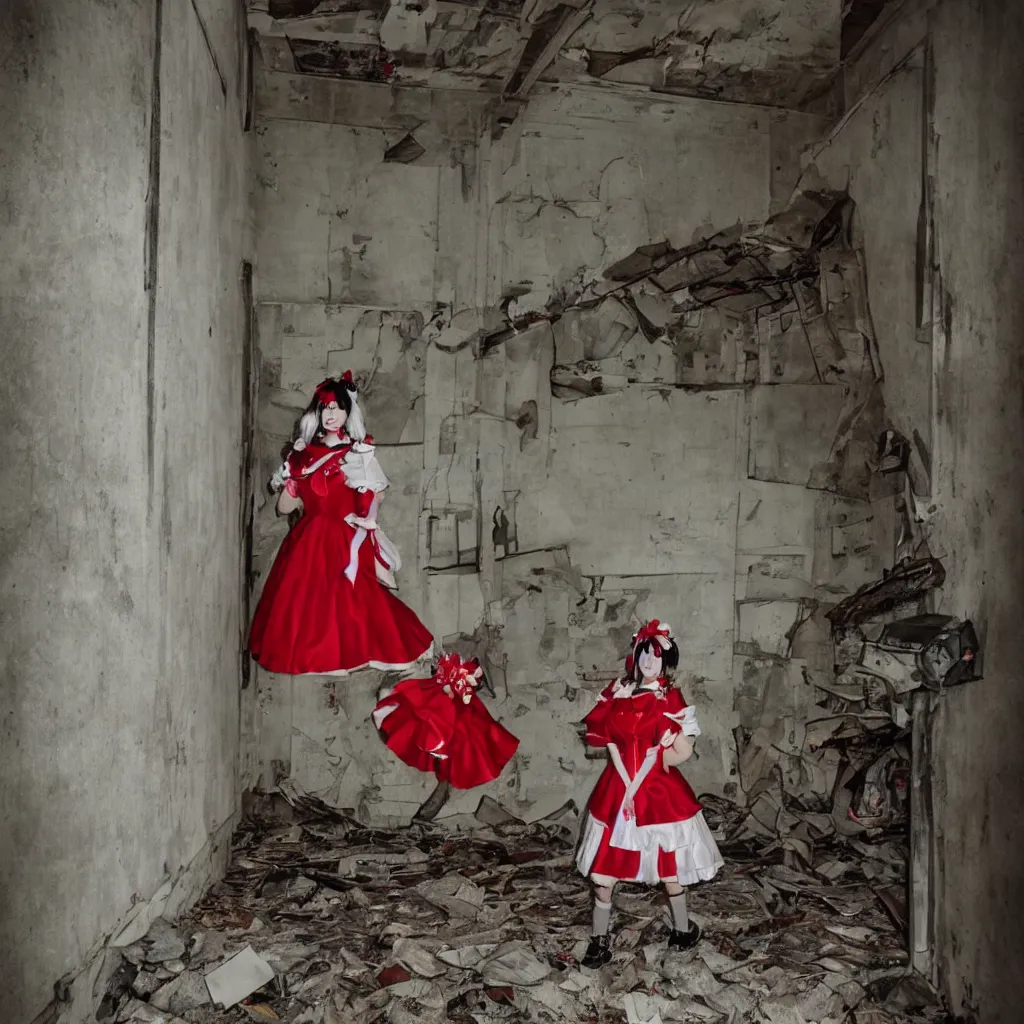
(782, 53)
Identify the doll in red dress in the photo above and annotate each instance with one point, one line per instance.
(644, 823)
(440, 725)
(326, 608)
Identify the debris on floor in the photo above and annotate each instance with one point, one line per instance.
(483, 919)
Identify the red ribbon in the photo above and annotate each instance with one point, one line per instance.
(653, 629)
(325, 393)
(452, 671)
(327, 390)
(376, 549)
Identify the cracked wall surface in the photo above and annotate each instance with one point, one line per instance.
(123, 324)
(590, 413)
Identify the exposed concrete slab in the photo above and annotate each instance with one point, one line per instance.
(979, 442)
(119, 569)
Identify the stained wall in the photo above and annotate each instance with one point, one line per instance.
(542, 515)
(121, 329)
(933, 149)
(978, 372)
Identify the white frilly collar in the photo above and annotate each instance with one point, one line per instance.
(628, 688)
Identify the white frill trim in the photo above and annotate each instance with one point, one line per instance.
(695, 849)
(360, 466)
(379, 714)
(623, 688)
(381, 666)
(686, 720)
(363, 472)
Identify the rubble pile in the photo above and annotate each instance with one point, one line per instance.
(784, 302)
(482, 918)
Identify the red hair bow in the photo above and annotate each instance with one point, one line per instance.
(654, 630)
(327, 390)
(461, 677)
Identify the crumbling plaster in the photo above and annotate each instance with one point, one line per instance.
(538, 525)
(119, 553)
(773, 52)
(876, 152)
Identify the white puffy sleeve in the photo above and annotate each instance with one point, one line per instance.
(362, 470)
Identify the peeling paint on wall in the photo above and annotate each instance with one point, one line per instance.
(597, 402)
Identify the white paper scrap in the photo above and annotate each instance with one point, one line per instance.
(238, 977)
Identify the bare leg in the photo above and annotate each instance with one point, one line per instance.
(433, 804)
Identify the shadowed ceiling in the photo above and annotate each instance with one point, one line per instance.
(782, 53)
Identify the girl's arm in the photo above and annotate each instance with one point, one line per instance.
(678, 741)
(680, 751)
(288, 500)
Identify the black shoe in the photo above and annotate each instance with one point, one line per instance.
(598, 952)
(678, 940)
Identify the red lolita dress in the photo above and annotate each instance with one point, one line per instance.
(440, 725)
(324, 610)
(644, 823)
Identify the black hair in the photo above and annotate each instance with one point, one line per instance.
(342, 392)
(311, 424)
(669, 656)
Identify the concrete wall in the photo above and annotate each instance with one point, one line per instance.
(877, 153)
(119, 549)
(979, 375)
(958, 387)
(680, 492)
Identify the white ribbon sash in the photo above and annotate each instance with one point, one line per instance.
(624, 830)
(357, 542)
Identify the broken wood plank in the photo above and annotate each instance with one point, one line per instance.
(549, 36)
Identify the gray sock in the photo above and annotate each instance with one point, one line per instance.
(602, 917)
(680, 919)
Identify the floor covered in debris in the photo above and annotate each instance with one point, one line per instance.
(483, 918)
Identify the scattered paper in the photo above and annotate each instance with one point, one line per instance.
(480, 921)
(239, 977)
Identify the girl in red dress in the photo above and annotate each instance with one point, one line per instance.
(440, 725)
(643, 822)
(326, 609)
